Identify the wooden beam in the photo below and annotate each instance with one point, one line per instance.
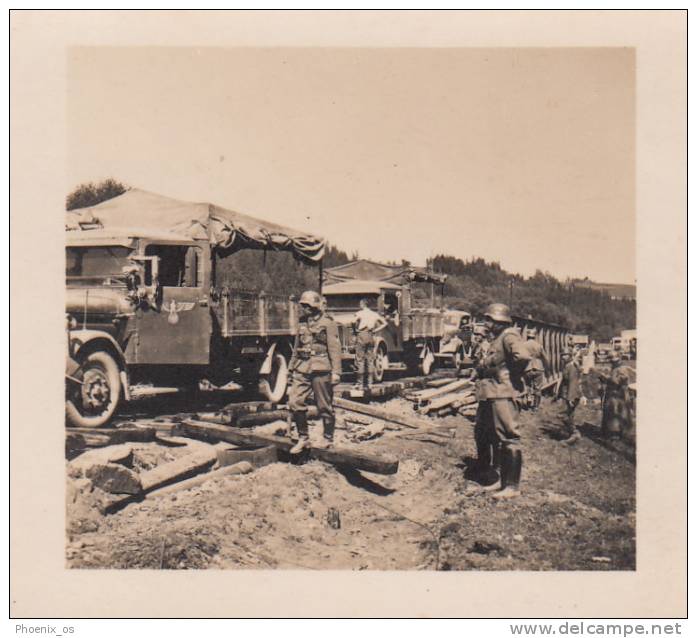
(182, 468)
(379, 464)
(381, 413)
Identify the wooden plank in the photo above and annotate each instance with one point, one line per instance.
(428, 395)
(182, 468)
(97, 437)
(456, 400)
(379, 464)
(381, 413)
(261, 418)
(258, 457)
(243, 467)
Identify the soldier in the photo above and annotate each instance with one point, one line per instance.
(537, 368)
(367, 323)
(616, 398)
(570, 390)
(500, 385)
(315, 368)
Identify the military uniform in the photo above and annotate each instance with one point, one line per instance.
(366, 322)
(534, 372)
(499, 387)
(316, 356)
(570, 390)
(616, 401)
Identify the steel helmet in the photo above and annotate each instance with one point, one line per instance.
(312, 299)
(498, 312)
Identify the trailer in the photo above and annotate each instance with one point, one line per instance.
(147, 306)
(554, 339)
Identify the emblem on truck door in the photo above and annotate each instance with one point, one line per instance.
(174, 308)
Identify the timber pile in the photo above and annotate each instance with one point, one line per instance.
(456, 397)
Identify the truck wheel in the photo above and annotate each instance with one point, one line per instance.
(381, 362)
(94, 402)
(273, 386)
(427, 362)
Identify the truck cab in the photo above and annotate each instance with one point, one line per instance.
(388, 300)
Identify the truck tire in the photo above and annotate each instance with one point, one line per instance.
(273, 386)
(92, 404)
(381, 362)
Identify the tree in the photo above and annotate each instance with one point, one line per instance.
(91, 194)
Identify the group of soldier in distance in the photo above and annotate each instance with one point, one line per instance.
(508, 370)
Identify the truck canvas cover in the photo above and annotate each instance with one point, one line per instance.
(365, 269)
(225, 229)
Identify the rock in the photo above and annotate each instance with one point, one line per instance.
(121, 454)
(114, 478)
(518, 537)
(483, 547)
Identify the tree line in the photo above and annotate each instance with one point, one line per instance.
(471, 285)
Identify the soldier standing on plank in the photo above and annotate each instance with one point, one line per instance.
(499, 387)
(367, 324)
(315, 368)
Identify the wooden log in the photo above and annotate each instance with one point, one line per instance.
(182, 468)
(258, 457)
(438, 383)
(429, 395)
(381, 413)
(242, 467)
(97, 437)
(379, 464)
(261, 418)
(447, 400)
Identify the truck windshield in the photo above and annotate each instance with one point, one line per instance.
(95, 261)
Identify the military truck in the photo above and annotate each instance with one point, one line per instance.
(147, 310)
(412, 338)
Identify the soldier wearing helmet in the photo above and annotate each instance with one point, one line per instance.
(315, 367)
(536, 369)
(616, 398)
(500, 384)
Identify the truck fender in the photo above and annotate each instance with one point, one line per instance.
(80, 339)
(268, 360)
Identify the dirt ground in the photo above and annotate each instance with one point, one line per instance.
(576, 512)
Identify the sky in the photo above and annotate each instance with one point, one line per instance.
(521, 156)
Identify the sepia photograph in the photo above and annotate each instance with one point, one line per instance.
(349, 308)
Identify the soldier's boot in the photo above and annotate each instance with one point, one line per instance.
(511, 469)
(574, 436)
(371, 380)
(483, 469)
(329, 423)
(300, 419)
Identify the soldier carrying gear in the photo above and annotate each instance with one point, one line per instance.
(536, 369)
(315, 367)
(616, 398)
(570, 390)
(499, 386)
(367, 323)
